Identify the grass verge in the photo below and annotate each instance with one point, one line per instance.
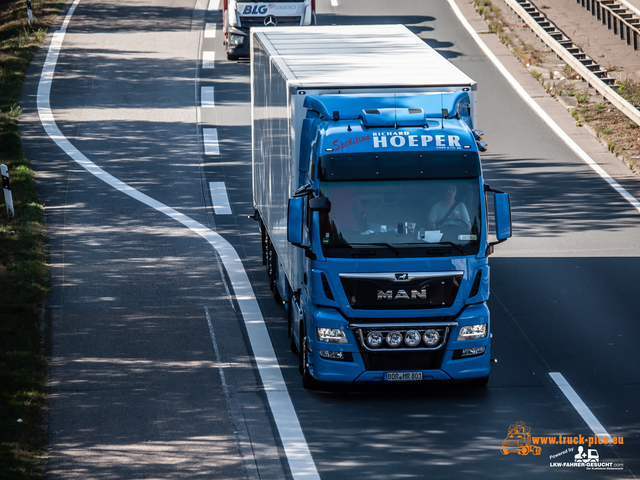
(24, 273)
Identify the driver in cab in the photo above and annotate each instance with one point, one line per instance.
(448, 211)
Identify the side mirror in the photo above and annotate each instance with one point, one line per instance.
(319, 203)
(295, 220)
(502, 205)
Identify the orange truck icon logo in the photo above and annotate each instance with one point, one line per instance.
(519, 441)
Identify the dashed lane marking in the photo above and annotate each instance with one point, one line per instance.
(591, 420)
(219, 198)
(208, 59)
(210, 30)
(206, 97)
(210, 140)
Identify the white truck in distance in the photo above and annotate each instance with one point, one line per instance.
(239, 17)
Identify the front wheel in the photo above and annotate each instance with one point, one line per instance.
(308, 381)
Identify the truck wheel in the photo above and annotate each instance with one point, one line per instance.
(308, 381)
(292, 340)
(232, 57)
(263, 235)
(271, 260)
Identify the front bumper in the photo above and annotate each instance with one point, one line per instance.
(365, 365)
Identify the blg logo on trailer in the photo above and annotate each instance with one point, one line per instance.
(263, 8)
(575, 454)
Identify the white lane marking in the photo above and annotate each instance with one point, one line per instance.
(219, 198)
(208, 59)
(206, 97)
(542, 114)
(210, 30)
(210, 140)
(295, 446)
(591, 420)
(334, 3)
(214, 5)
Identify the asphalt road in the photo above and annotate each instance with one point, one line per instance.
(136, 385)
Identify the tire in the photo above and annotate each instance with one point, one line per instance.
(308, 382)
(263, 235)
(232, 57)
(292, 340)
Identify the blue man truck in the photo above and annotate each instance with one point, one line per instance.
(373, 210)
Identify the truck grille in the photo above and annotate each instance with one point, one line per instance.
(249, 22)
(385, 294)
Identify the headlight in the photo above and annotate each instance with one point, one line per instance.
(394, 339)
(471, 332)
(374, 339)
(236, 39)
(431, 337)
(331, 335)
(412, 338)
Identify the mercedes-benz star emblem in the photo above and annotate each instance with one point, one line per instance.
(270, 21)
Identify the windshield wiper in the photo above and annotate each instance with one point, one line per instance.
(454, 245)
(380, 244)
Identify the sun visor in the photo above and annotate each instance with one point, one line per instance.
(351, 107)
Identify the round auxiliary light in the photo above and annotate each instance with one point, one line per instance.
(412, 338)
(431, 337)
(394, 339)
(374, 339)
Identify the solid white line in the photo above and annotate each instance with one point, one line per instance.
(542, 114)
(295, 446)
(206, 97)
(214, 5)
(210, 140)
(334, 3)
(208, 59)
(219, 198)
(210, 30)
(591, 420)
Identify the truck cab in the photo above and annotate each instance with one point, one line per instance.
(392, 215)
(239, 17)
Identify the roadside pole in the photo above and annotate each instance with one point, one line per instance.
(8, 200)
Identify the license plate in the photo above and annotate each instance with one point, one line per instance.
(403, 376)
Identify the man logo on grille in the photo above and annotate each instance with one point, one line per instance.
(270, 21)
(401, 277)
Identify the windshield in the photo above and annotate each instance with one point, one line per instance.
(401, 218)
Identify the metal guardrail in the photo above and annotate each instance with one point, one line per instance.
(564, 47)
(615, 16)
